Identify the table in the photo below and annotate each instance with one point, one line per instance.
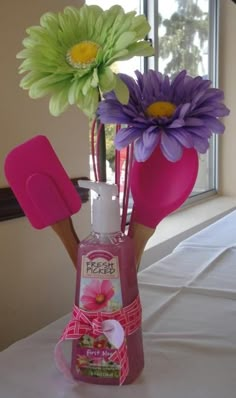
(189, 330)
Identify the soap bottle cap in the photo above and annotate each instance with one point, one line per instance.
(106, 208)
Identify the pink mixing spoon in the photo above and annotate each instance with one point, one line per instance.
(158, 188)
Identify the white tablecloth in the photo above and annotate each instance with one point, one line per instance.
(189, 330)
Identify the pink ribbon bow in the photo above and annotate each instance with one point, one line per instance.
(114, 325)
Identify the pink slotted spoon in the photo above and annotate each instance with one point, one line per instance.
(159, 187)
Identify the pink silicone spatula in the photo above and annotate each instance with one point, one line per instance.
(43, 189)
(158, 188)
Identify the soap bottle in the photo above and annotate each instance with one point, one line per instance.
(107, 282)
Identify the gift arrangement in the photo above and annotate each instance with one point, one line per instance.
(161, 124)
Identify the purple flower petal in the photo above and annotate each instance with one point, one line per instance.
(178, 80)
(151, 137)
(134, 89)
(197, 98)
(220, 110)
(142, 152)
(198, 107)
(139, 79)
(110, 112)
(215, 93)
(140, 123)
(109, 95)
(200, 144)
(176, 84)
(177, 123)
(184, 110)
(170, 147)
(183, 137)
(166, 86)
(125, 136)
(214, 124)
(155, 82)
(201, 131)
(192, 84)
(202, 110)
(193, 121)
(130, 112)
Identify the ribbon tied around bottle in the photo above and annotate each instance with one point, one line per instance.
(114, 325)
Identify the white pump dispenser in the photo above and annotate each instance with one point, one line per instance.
(106, 208)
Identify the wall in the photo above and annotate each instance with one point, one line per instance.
(37, 279)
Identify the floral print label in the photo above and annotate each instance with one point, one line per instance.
(93, 357)
(100, 290)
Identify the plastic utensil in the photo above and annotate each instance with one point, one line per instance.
(158, 188)
(43, 189)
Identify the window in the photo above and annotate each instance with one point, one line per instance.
(184, 33)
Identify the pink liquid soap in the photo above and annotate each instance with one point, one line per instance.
(106, 282)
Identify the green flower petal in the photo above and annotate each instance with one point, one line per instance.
(74, 93)
(95, 78)
(93, 14)
(123, 24)
(23, 54)
(59, 102)
(76, 89)
(30, 79)
(125, 40)
(121, 91)
(107, 80)
(114, 15)
(139, 49)
(49, 21)
(45, 54)
(46, 85)
(87, 84)
(141, 26)
(123, 54)
(89, 103)
(98, 27)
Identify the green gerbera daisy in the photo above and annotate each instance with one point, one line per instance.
(70, 53)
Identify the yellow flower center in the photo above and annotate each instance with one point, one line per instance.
(161, 109)
(100, 298)
(82, 54)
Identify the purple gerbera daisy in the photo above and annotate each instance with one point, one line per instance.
(175, 114)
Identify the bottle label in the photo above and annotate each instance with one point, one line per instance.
(100, 264)
(100, 290)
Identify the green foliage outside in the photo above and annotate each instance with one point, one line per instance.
(110, 148)
(179, 44)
